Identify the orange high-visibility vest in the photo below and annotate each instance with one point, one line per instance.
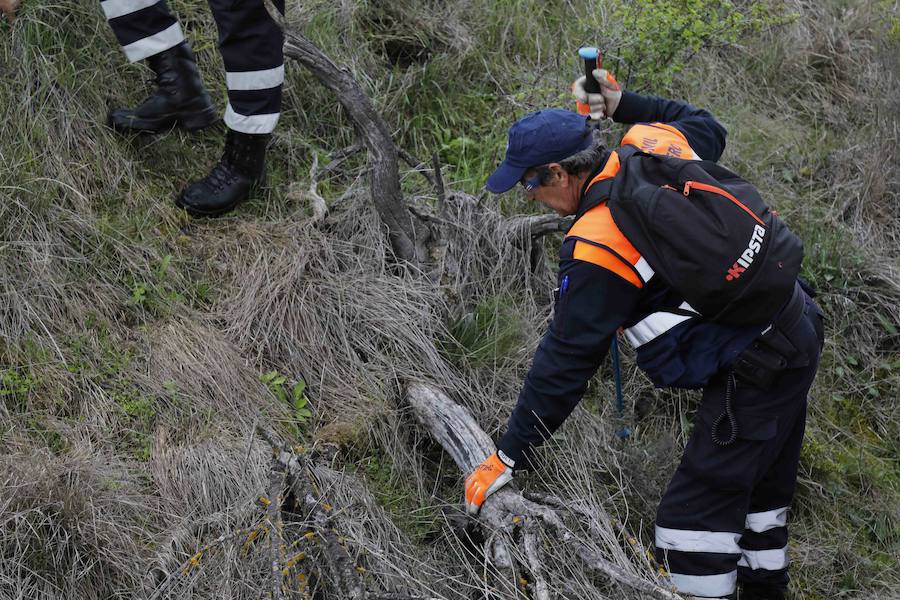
(597, 238)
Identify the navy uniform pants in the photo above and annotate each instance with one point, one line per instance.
(722, 519)
(249, 40)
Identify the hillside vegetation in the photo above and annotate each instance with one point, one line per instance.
(140, 350)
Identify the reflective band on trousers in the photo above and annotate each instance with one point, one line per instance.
(705, 585)
(686, 540)
(764, 521)
(770, 560)
(119, 8)
(255, 80)
(656, 324)
(250, 123)
(154, 44)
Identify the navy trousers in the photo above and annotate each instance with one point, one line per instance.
(249, 40)
(722, 519)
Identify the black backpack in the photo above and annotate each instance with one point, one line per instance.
(706, 232)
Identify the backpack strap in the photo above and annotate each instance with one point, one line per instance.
(598, 192)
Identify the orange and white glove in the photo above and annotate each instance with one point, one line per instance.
(487, 478)
(604, 104)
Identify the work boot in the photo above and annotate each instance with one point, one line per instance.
(757, 592)
(179, 97)
(241, 168)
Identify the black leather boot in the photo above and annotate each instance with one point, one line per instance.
(761, 592)
(179, 97)
(241, 168)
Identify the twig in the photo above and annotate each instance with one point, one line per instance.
(343, 570)
(194, 560)
(418, 166)
(338, 158)
(439, 182)
(276, 526)
(534, 554)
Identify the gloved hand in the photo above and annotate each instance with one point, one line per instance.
(8, 8)
(490, 476)
(604, 104)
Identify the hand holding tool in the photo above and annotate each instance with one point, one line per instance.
(597, 93)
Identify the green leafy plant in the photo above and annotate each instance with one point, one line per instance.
(295, 394)
(665, 34)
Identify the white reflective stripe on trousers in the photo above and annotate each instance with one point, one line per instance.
(250, 123)
(154, 44)
(654, 325)
(770, 560)
(764, 521)
(686, 540)
(255, 80)
(120, 8)
(707, 586)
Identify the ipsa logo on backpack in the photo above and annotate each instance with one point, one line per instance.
(746, 259)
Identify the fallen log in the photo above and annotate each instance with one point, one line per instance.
(456, 431)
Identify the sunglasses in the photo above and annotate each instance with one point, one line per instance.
(530, 184)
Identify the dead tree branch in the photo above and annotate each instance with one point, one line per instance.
(540, 225)
(416, 165)
(408, 236)
(455, 429)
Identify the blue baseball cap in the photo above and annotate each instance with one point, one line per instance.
(538, 138)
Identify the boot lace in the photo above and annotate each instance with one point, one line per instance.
(223, 175)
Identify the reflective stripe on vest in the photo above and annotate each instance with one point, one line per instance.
(599, 241)
(655, 324)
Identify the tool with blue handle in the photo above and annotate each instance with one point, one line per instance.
(592, 60)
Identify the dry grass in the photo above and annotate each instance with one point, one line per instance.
(132, 342)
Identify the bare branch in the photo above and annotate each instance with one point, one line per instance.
(338, 158)
(276, 527)
(438, 180)
(451, 425)
(418, 166)
(540, 225)
(339, 562)
(408, 236)
(455, 429)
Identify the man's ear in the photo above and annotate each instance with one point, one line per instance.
(558, 173)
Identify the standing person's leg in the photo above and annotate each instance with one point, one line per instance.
(763, 567)
(147, 30)
(251, 46)
(701, 516)
(715, 493)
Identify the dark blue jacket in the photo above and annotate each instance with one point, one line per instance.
(594, 302)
